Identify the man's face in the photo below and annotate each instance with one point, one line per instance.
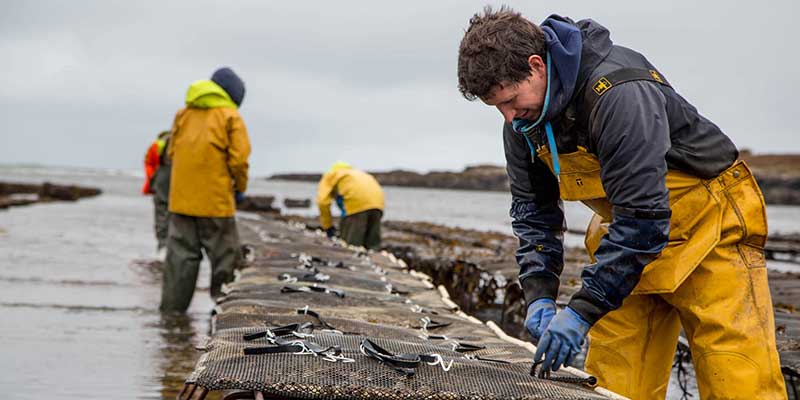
(525, 99)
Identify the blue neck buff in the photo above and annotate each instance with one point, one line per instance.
(524, 126)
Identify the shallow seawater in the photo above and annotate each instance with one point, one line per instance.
(79, 294)
(79, 288)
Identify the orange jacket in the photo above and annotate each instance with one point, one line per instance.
(152, 160)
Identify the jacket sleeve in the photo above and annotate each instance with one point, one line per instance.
(238, 152)
(537, 219)
(631, 130)
(173, 134)
(324, 194)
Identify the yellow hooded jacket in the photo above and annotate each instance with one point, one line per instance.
(209, 149)
(359, 191)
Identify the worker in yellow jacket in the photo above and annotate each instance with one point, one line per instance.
(209, 149)
(360, 199)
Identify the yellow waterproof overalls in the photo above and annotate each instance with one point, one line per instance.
(711, 279)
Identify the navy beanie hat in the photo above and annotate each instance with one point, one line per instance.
(233, 85)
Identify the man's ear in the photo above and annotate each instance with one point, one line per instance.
(537, 64)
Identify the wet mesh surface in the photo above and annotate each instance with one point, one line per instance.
(368, 310)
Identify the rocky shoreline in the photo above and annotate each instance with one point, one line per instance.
(479, 177)
(778, 176)
(13, 194)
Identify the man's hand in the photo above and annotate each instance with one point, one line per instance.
(540, 312)
(562, 340)
(331, 232)
(238, 197)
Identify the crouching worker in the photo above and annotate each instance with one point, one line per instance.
(360, 199)
(677, 240)
(209, 149)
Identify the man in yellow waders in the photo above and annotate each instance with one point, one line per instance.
(360, 199)
(679, 228)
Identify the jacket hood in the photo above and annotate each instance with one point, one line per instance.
(340, 165)
(564, 44)
(207, 94)
(574, 49)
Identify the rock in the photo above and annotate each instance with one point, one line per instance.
(297, 203)
(19, 194)
(258, 204)
(66, 193)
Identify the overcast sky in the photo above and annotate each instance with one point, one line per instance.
(90, 83)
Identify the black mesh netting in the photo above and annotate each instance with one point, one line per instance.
(381, 302)
(310, 377)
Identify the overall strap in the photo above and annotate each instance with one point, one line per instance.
(597, 89)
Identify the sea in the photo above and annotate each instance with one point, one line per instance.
(79, 294)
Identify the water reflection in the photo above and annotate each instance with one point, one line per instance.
(178, 356)
(148, 271)
(79, 292)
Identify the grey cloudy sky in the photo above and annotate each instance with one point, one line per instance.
(90, 83)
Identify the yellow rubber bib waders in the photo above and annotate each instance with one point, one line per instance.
(711, 279)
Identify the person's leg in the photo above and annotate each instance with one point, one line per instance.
(221, 240)
(631, 349)
(726, 310)
(353, 228)
(373, 234)
(160, 186)
(182, 264)
(725, 304)
(157, 210)
(162, 220)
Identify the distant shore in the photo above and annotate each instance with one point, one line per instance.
(778, 176)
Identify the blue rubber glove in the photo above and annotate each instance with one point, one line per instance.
(562, 340)
(238, 197)
(540, 312)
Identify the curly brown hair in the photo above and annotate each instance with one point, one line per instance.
(495, 50)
